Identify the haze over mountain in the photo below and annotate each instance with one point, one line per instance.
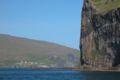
(23, 52)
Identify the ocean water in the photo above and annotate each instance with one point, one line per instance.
(55, 74)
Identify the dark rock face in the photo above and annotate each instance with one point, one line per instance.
(100, 37)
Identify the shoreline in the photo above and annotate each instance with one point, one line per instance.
(76, 69)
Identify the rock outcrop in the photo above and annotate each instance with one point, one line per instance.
(100, 35)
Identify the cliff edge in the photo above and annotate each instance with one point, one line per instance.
(100, 34)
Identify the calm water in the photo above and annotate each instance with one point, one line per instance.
(55, 74)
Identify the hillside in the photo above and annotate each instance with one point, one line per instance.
(100, 34)
(22, 52)
(105, 5)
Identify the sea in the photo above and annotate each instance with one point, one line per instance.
(55, 74)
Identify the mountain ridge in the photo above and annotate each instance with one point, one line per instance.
(37, 40)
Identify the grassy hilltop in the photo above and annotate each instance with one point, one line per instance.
(105, 5)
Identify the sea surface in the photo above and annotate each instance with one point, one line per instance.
(55, 74)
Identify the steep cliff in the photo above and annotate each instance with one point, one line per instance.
(100, 33)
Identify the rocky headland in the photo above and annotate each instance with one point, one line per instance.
(100, 35)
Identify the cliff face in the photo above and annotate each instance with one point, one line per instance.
(100, 34)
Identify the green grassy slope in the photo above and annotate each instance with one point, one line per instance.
(105, 5)
(15, 50)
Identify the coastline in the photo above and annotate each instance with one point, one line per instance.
(69, 68)
(99, 70)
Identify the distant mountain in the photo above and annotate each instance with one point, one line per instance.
(23, 52)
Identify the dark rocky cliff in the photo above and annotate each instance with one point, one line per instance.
(100, 34)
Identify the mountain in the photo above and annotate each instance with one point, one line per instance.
(23, 52)
(100, 34)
